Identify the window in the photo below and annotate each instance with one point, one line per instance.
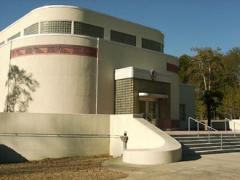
(14, 36)
(152, 45)
(123, 38)
(1, 43)
(56, 27)
(88, 30)
(182, 112)
(33, 29)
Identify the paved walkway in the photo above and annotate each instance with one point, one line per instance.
(207, 167)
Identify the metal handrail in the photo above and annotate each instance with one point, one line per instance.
(209, 128)
(225, 124)
(61, 135)
(219, 121)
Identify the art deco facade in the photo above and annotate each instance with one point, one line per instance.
(72, 60)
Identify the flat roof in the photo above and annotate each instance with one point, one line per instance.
(79, 8)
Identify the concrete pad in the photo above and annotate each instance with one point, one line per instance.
(208, 167)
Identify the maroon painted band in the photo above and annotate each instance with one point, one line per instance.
(172, 67)
(54, 49)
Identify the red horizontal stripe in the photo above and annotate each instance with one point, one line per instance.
(54, 49)
(172, 67)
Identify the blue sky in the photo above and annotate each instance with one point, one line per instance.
(185, 23)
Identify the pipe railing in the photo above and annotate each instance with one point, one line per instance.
(209, 129)
(60, 135)
(225, 124)
(123, 138)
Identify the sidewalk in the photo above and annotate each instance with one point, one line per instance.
(218, 166)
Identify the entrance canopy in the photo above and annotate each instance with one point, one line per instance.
(144, 96)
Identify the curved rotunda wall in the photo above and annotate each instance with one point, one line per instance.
(64, 63)
(64, 67)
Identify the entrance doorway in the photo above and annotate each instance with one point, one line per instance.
(152, 107)
(150, 111)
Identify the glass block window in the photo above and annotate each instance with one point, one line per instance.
(33, 29)
(63, 27)
(88, 30)
(123, 38)
(14, 36)
(152, 45)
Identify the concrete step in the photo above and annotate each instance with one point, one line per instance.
(202, 137)
(201, 133)
(212, 147)
(210, 144)
(194, 144)
(200, 141)
(217, 151)
(206, 139)
(212, 135)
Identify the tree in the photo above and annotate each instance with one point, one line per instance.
(230, 83)
(20, 85)
(231, 62)
(185, 68)
(213, 74)
(202, 70)
(231, 103)
(212, 100)
(207, 64)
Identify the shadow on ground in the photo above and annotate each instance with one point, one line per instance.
(8, 155)
(189, 154)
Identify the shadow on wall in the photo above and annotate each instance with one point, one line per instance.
(8, 155)
(20, 85)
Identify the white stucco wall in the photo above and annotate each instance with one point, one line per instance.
(67, 83)
(140, 136)
(114, 55)
(234, 124)
(33, 147)
(4, 67)
(147, 145)
(35, 136)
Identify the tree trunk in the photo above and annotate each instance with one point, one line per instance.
(209, 114)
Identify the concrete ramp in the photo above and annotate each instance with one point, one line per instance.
(147, 145)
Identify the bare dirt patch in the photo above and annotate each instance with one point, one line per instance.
(83, 168)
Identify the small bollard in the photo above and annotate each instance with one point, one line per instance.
(124, 139)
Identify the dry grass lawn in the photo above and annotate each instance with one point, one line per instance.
(84, 168)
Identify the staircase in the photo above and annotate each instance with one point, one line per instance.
(201, 143)
(210, 141)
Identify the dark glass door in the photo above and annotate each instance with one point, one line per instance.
(150, 111)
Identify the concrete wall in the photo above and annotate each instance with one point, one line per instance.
(35, 137)
(4, 67)
(30, 136)
(146, 144)
(137, 139)
(234, 124)
(187, 97)
(115, 56)
(67, 83)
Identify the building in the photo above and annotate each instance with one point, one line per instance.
(65, 59)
